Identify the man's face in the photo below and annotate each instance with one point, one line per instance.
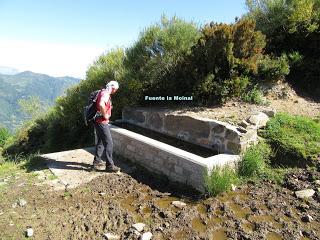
(113, 90)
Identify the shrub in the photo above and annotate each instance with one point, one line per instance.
(255, 160)
(295, 139)
(4, 135)
(150, 67)
(255, 95)
(272, 69)
(219, 180)
(224, 60)
(292, 26)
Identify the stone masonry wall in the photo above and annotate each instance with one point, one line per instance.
(209, 133)
(160, 158)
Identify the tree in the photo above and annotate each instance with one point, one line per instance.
(32, 107)
(292, 27)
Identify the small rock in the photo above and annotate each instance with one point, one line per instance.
(288, 213)
(269, 112)
(14, 205)
(21, 202)
(163, 214)
(300, 233)
(317, 182)
(179, 204)
(259, 120)
(139, 226)
(63, 182)
(111, 236)
(136, 233)
(146, 236)
(307, 218)
(166, 224)
(102, 193)
(306, 233)
(244, 124)
(233, 187)
(242, 130)
(305, 193)
(29, 232)
(160, 229)
(303, 207)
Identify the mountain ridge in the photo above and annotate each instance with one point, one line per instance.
(24, 85)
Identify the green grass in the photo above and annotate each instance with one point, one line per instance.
(52, 177)
(10, 165)
(255, 96)
(8, 168)
(66, 195)
(255, 160)
(219, 180)
(295, 139)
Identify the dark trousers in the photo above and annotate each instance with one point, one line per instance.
(104, 146)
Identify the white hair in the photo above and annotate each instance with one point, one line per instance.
(113, 84)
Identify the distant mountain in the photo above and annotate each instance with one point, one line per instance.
(26, 84)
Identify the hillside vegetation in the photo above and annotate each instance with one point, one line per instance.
(213, 63)
(292, 27)
(24, 85)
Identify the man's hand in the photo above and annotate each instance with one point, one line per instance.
(104, 112)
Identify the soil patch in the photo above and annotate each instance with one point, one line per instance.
(112, 203)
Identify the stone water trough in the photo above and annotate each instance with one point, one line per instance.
(179, 165)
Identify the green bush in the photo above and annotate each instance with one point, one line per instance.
(224, 60)
(176, 37)
(4, 135)
(295, 139)
(255, 95)
(292, 26)
(219, 180)
(255, 160)
(272, 69)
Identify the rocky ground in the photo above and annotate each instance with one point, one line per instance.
(280, 98)
(110, 205)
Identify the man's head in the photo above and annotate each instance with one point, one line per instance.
(113, 86)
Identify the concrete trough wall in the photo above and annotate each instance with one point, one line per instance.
(178, 165)
(213, 134)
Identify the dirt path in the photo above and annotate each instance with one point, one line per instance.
(112, 203)
(72, 168)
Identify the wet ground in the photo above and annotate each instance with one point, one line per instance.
(111, 203)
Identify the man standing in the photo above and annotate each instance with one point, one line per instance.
(104, 145)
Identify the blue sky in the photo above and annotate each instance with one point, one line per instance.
(63, 37)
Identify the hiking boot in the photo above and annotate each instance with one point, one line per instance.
(99, 165)
(113, 168)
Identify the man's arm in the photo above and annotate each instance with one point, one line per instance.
(104, 100)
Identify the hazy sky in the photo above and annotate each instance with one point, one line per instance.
(63, 37)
